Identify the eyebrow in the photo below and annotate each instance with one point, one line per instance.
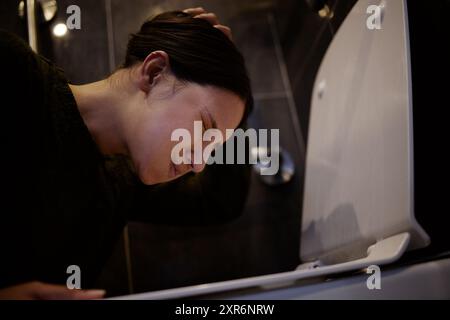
(212, 121)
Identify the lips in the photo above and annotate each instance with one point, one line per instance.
(175, 170)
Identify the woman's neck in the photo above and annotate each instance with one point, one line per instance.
(100, 107)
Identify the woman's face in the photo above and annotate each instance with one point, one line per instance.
(169, 106)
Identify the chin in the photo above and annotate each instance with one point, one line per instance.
(147, 178)
(151, 175)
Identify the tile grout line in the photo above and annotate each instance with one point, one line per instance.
(269, 95)
(110, 34)
(112, 66)
(287, 85)
(126, 244)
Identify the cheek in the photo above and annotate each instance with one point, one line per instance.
(151, 147)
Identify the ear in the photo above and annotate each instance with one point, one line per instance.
(152, 69)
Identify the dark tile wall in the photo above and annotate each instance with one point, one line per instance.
(83, 54)
(10, 19)
(305, 37)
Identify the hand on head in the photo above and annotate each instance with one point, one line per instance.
(211, 18)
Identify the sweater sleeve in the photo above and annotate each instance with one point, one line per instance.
(21, 101)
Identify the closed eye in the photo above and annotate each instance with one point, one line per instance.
(206, 115)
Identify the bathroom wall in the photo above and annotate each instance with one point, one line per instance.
(305, 35)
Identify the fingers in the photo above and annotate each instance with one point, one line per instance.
(201, 13)
(210, 17)
(88, 294)
(36, 290)
(195, 11)
(225, 30)
(58, 292)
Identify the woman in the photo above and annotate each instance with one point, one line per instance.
(82, 160)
